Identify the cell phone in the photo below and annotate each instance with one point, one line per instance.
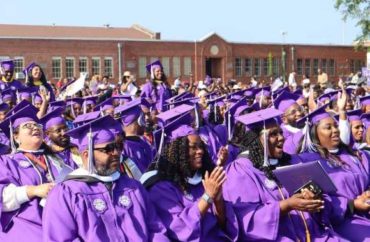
(312, 187)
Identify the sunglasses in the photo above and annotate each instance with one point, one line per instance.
(109, 148)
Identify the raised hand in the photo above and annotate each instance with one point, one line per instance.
(362, 202)
(213, 183)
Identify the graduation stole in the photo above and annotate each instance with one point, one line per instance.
(4, 80)
(37, 83)
(41, 162)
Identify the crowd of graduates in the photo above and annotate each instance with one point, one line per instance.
(188, 162)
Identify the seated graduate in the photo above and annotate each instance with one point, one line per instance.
(264, 209)
(137, 153)
(26, 176)
(97, 202)
(7, 80)
(55, 129)
(349, 171)
(187, 189)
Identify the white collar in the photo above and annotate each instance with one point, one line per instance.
(84, 172)
(273, 162)
(290, 128)
(334, 151)
(31, 151)
(196, 179)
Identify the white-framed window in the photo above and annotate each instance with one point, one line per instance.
(187, 66)
(299, 66)
(266, 66)
(166, 65)
(56, 67)
(95, 66)
(4, 57)
(257, 66)
(142, 67)
(324, 65)
(238, 67)
(307, 67)
(248, 66)
(70, 67)
(275, 66)
(176, 66)
(108, 67)
(331, 68)
(83, 64)
(18, 64)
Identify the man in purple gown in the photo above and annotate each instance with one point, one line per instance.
(97, 202)
(8, 79)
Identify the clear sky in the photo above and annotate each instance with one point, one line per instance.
(304, 21)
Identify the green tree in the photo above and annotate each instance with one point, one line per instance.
(358, 10)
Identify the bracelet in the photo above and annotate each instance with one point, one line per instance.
(207, 198)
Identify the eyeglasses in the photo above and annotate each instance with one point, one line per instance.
(295, 111)
(32, 126)
(109, 148)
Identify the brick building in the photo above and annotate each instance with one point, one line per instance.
(66, 51)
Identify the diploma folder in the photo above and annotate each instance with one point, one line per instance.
(295, 176)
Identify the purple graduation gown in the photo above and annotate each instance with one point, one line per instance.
(15, 84)
(351, 181)
(256, 204)
(23, 224)
(182, 218)
(80, 211)
(139, 150)
(157, 97)
(66, 155)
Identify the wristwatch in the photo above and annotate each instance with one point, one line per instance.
(207, 198)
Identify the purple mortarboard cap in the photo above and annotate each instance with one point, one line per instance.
(285, 100)
(315, 116)
(236, 95)
(130, 112)
(56, 104)
(324, 97)
(122, 99)
(219, 101)
(298, 92)
(85, 118)
(265, 91)
(4, 107)
(179, 97)
(90, 100)
(53, 118)
(187, 101)
(280, 90)
(365, 100)
(207, 81)
(230, 115)
(7, 65)
(241, 109)
(99, 129)
(8, 94)
(37, 99)
(29, 68)
(106, 104)
(22, 104)
(155, 64)
(366, 119)
(23, 115)
(166, 117)
(259, 118)
(354, 115)
(27, 92)
(76, 100)
(250, 92)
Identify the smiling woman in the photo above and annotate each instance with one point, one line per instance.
(188, 192)
(27, 176)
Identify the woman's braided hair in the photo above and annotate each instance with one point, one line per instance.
(174, 163)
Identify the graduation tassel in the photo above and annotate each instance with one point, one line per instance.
(229, 125)
(73, 111)
(307, 144)
(84, 107)
(265, 145)
(12, 144)
(160, 147)
(90, 164)
(261, 99)
(197, 122)
(215, 112)
(18, 96)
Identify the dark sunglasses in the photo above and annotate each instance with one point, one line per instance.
(109, 148)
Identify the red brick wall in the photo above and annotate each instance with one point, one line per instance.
(42, 51)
